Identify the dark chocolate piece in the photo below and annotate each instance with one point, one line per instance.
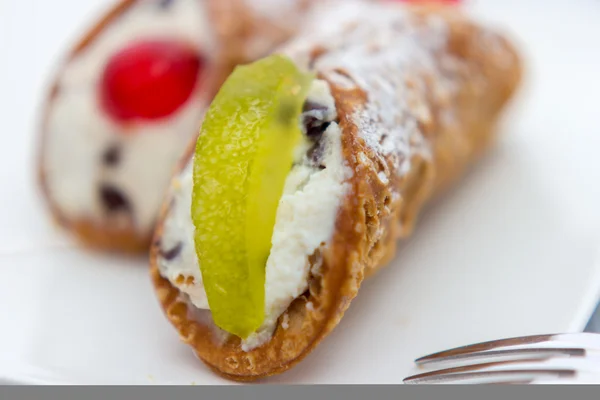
(315, 131)
(170, 254)
(314, 119)
(113, 199)
(315, 155)
(112, 156)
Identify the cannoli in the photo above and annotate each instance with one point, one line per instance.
(392, 103)
(129, 98)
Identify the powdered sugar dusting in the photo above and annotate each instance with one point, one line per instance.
(384, 51)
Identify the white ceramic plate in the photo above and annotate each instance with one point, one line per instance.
(511, 251)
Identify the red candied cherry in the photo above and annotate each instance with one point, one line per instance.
(149, 79)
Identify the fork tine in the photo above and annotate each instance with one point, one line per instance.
(464, 351)
(487, 371)
(536, 353)
(464, 368)
(526, 359)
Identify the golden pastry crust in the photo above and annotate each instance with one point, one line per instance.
(371, 218)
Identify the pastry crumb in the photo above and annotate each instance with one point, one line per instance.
(285, 323)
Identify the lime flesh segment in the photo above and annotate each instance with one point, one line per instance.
(243, 155)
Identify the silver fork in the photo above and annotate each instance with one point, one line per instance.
(554, 358)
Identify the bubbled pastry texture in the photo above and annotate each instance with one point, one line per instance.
(417, 93)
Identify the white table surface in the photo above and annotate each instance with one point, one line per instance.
(33, 33)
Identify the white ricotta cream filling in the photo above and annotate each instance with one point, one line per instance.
(305, 219)
(78, 132)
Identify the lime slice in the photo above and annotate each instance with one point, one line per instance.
(243, 155)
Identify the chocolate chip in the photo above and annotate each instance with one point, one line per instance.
(113, 199)
(171, 253)
(315, 131)
(313, 119)
(112, 156)
(315, 155)
(165, 3)
(313, 126)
